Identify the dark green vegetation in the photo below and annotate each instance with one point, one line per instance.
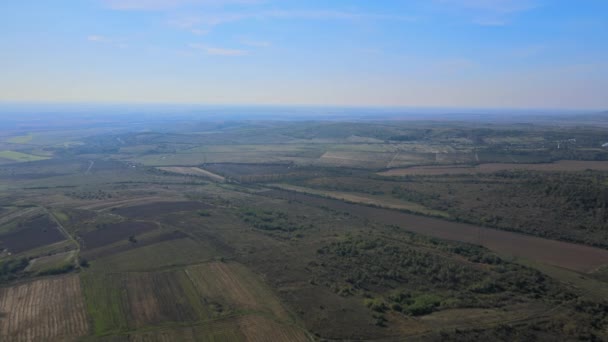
(569, 206)
(11, 267)
(233, 249)
(565, 206)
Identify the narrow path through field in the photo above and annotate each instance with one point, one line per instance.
(65, 233)
(91, 163)
(392, 160)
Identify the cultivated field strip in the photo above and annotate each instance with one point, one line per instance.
(200, 295)
(234, 284)
(261, 329)
(248, 328)
(161, 297)
(44, 310)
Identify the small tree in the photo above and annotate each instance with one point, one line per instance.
(84, 263)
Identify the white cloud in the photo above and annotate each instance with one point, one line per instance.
(98, 38)
(225, 52)
(207, 21)
(158, 5)
(216, 51)
(488, 12)
(95, 38)
(496, 6)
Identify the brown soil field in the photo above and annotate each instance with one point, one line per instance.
(158, 297)
(159, 208)
(51, 309)
(114, 232)
(236, 286)
(563, 165)
(193, 171)
(37, 232)
(567, 255)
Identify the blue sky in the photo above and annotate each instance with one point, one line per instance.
(438, 53)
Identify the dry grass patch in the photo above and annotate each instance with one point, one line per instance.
(249, 328)
(45, 310)
(236, 286)
(262, 329)
(163, 297)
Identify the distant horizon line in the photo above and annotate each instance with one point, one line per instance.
(185, 105)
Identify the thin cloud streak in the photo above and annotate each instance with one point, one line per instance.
(95, 38)
(160, 5)
(98, 38)
(495, 6)
(204, 22)
(216, 51)
(488, 12)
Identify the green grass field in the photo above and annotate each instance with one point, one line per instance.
(167, 254)
(22, 139)
(334, 254)
(20, 157)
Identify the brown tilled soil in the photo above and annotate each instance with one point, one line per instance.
(51, 309)
(563, 254)
(156, 298)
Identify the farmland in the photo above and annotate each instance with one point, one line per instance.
(115, 231)
(36, 232)
(50, 309)
(304, 231)
(198, 295)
